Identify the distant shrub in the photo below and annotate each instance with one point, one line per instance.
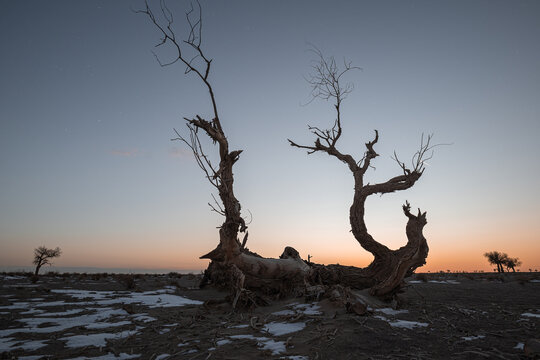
(174, 274)
(128, 280)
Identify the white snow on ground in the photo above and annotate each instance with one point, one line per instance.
(32, 311)
(96, 340)
(162, 356)
(7, 344)
(241, 326)
(278, 329)
(17, 305)
(153, 299)
(61, 324)
(295, 357)
(143, 318)
(453, 282)
(470, 338)
(535, 281)
(402, 323)
(284, 313)
(415, 281)
(531, 315)
(390, 311)
(85, 294)
(62, 313)
(519, 346)
(34, 357)
(109, 356)
(406, 324)
(308, 309)
(9, 277)
(104, 325)
(277, 347)
(223, 342)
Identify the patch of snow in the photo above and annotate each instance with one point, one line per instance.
(32, 311)
(9, 277)
(308, 309)
(242, 337)
(85, 294)
(401, 323)
(277, 347)
(143, 317)
(11, 344)
(278, 329)
(470, 338)
(33, 357)
(223, 342)
(154, 299)
(241, 326)
(519, 346)
(295, 357)
(109, 356)
(283, 313)
(63, 313)
(415, 281)
(407, 324)
(390, 311)
(104, 325)
(17, 305)
(64, 323)
(96, 340)
(183, 344)
(531, 315)
(161, 300)
(534, 281)
(453, 282)
(162, 356)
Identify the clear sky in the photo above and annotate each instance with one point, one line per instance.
(86, 118)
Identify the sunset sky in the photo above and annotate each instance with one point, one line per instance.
(87, 114)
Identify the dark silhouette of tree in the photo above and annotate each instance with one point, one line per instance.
(511, 263)
(496, 258)
(43, 256)
(232, 264)
(389, 267)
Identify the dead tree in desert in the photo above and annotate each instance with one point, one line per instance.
(389, 267)
(44, 256)
(231, 262)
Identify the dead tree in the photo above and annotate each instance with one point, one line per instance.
(232, 264)
(389, 267)
(43, 256)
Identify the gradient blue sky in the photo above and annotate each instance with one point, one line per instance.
(86, 118)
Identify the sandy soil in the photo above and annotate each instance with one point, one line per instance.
(439, 316)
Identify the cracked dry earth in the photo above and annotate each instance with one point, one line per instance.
(450, 316)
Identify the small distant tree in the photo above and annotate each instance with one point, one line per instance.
(43, 256)
(501, 260)
(511, 263)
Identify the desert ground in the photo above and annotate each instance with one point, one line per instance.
(104, 316)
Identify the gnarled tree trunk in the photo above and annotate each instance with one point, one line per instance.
(384, 276)
(232, 264)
